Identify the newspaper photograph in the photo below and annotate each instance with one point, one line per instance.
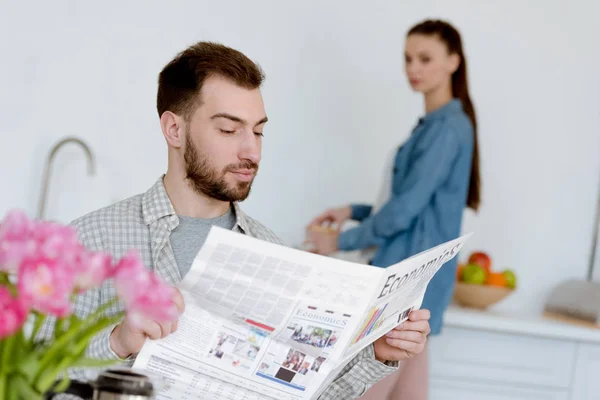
(266, 321)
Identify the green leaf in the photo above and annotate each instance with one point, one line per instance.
(47, 379)
(1, 352)
(100, 311)
(3, 385)
(62, 385)
(67, 349)
(28, 366)
(7, 357)
(39, 321)
(104, 322)
(58, 327)
(12, 391)
(5, 281)
(24, 389)
(55, 348)
(70, 344)
(20, 348)
(45, 382)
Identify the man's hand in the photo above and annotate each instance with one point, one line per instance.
(406, 340)
(127, 339)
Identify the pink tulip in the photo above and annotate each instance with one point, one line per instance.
(143, 293)
(15, 225)
(57, 241)
(91, 269)
(51, 265)
(16, 240)
(13, 313)
(46, 285)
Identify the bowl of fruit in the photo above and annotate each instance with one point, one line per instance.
(480, 286)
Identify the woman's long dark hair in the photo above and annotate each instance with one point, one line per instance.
(460, 89)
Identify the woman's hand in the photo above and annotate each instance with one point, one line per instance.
(332, 218)
(322, 240)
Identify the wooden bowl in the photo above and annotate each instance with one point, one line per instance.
(479, 296)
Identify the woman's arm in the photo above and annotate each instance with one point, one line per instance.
(360, 211)
(430, 168)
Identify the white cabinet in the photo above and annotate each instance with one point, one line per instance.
(474, 356)
(477, 364)
(586, 385)
(447, 389)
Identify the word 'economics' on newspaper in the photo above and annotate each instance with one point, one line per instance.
(267, 321)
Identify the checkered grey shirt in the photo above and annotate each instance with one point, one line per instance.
(145, 222)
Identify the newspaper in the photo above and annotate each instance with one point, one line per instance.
(264, 321)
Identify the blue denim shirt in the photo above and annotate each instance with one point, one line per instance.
(429, 191)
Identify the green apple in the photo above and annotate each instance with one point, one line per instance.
(511, 278)
(474, 274)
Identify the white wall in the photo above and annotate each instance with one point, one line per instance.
(336, 99)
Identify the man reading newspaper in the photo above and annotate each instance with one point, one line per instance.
(212, 117)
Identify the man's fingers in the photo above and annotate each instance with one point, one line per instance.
(158, 330)
(152, 329)
(179, 302)
(419, 326)
(410, 336)
(165, 329)
(418, 315)
(405, 345)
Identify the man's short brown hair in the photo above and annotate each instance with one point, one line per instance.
(180, 82)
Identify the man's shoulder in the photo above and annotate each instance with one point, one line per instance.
(260, 231)
(115, 216)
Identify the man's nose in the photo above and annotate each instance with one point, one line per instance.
(251, 148)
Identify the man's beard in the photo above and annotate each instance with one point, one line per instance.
(206, 180)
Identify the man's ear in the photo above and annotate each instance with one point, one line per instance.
(173, 127)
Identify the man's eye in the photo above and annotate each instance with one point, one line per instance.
(259, 134)
(227, 132)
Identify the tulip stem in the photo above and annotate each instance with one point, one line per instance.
(39, 321)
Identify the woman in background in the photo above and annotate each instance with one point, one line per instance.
(434, 175)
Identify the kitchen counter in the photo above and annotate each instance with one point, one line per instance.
(494, 354)
(531, 325)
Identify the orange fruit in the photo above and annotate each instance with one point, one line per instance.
(459, 271)
(496, 279)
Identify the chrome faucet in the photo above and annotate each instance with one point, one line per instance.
(53, 152)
